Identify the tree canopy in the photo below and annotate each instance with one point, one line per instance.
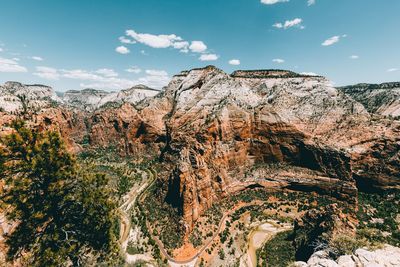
(63, 214)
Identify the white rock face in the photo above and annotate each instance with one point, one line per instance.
(383, 99)
(388, 256)
(86, 99)
(91, 99)
(132, 95)
(14, 96)
(311, 102)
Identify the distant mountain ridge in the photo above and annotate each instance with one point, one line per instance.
(382, 99)
(14, 96)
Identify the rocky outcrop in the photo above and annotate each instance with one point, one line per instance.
(91, 99)
(228, 132)
(317, 227)
(382, 99)
(86, 99)
(16, 97)
(217, 134)
(388, 256)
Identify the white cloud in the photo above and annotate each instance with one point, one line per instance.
(331, 41)
(197, 47)
(183, 46)
(122, 50)
(234, 62)
(79, 74)
(271, 2)
(309, 73)
(289, 23)
(157, 72)
(155, 41)
(310, 2)
(134, 69)
(208, 57)
(354, 57)
(9, 65)
(37, 58)
(107, 72)
(104, 78)
(278, 60)
(47, 73)
(155, 78)
(125, 40)
(164, 41)
(1, 49)
(392, 70)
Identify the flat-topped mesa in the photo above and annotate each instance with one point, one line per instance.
(267, 74)
(206, 69)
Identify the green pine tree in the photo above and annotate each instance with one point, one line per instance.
(64, 215)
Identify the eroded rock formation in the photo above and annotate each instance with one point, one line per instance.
(218, 134)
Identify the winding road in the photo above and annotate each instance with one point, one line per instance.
(132, 196)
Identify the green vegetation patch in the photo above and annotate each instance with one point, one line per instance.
(379, 216)
(277, 252)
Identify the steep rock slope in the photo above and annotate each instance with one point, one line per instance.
(86, 99)
(217, 134)
(226, 133)
(15, 97)
(91, 99)
(383, 99)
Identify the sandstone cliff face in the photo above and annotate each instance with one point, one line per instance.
(217, 134)
(226, 133)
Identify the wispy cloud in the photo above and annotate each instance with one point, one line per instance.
(332, 40)
(122, 50)
(125, 40)
(47, 73)
(208, 57)
(104, 78)
(289, 23)
(311, 2)
(354, 57)
(278, 60)
(134, 69)
(392, 70)
(272, 2)
(234, 62)
(107, 72)
(37, 58)
(10, 65)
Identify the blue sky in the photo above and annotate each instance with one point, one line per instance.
(76, 44)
